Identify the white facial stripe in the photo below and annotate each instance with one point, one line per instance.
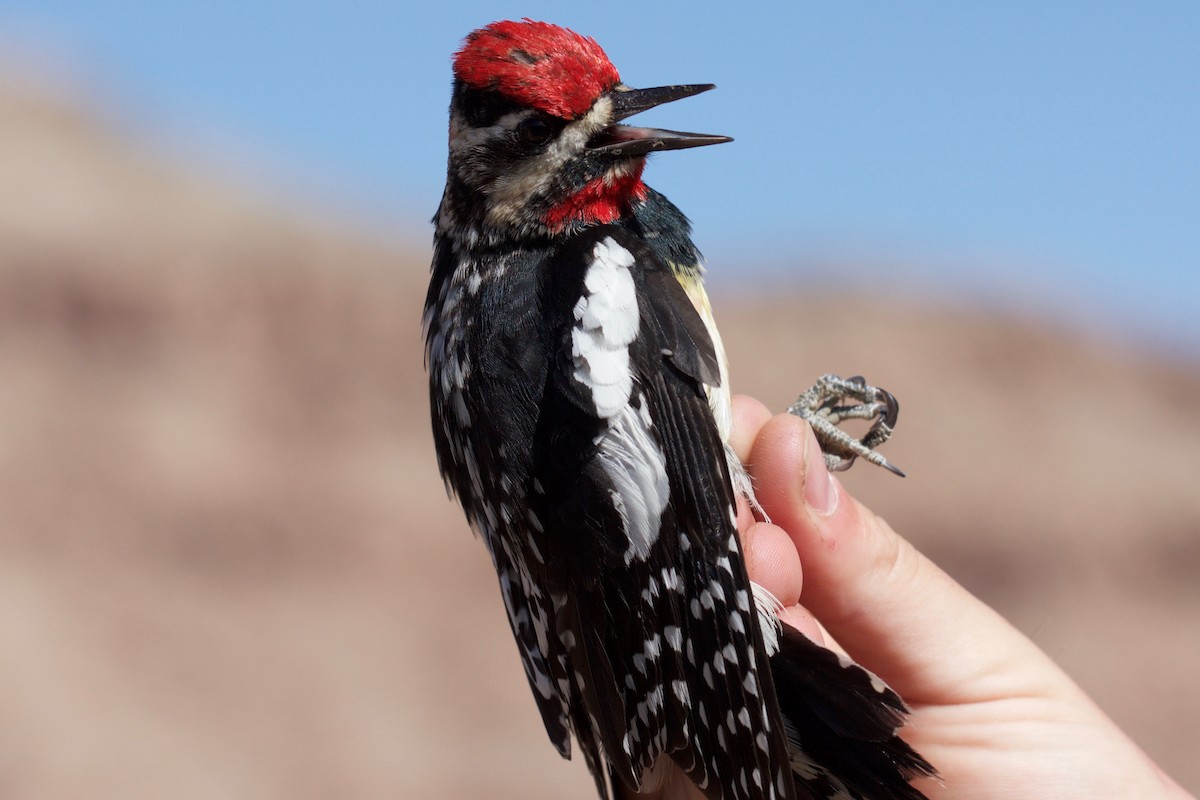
(465, 137)
(510, 193)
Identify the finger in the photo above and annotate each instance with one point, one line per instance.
(772, 561)
(801, 619)
(749, 415)
(888, 605)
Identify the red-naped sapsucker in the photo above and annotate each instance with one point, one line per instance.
(580, 405)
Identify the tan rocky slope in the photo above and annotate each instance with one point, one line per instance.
(228, 568)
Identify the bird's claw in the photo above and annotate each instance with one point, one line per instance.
(824, 408)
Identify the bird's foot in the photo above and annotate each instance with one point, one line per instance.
(824, 407)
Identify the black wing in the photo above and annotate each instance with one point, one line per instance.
(487, 333)
(652, 602)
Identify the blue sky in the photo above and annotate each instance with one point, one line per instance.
(1023, 154)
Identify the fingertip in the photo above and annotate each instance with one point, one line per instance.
(749, 415)
(821, 489)
(800, 618)
(772, 561)
(797, 490)
(776, 464)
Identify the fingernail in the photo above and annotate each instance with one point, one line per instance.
(819, 490)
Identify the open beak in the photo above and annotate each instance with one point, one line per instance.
(626, 140)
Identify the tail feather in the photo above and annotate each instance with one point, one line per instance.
(842, 724)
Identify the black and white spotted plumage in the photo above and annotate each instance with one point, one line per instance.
(579, 414)
(653, 601)
(592, 466)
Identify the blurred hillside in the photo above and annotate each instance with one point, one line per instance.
(228, 567)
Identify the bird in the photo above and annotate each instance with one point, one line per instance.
(580, 406)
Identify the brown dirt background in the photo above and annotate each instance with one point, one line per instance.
(228, 567)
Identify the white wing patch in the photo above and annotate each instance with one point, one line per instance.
(637, 468)
(607, 322)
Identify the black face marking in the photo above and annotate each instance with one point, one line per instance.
(535, 130)
(481, 107)
(527, 139)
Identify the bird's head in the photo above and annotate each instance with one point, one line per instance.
(536, 147)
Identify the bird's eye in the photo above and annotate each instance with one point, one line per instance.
(534, 130)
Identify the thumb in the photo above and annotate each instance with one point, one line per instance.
(890, 607)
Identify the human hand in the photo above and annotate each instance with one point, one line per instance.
(990, 711)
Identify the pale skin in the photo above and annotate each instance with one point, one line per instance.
(990, 710)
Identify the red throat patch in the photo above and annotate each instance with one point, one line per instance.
(537, 64)
(600, 201)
